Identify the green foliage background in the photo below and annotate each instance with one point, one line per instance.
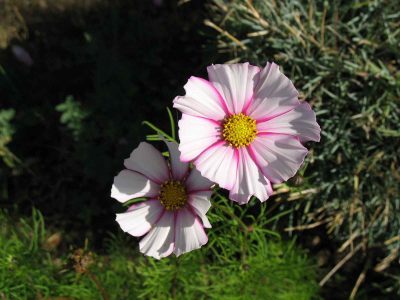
(31, 266)
(103, 67)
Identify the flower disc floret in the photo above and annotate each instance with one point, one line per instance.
(239, 130)
(173, 195)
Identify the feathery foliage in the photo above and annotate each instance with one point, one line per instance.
(34, 264)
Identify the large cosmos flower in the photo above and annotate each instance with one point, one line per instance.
(244, 128)
(174, 214)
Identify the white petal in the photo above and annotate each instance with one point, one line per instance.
(278, 156)
(249, 181)
(196, 182)
(235, 82)
(139, 218)
(148, 161)
(189, 232)
(179, 168)
(240, 198)
(129, 185)
(200, 203)
(274, 94)
(300, 121)
(159, 242)
(201, 100)
(196, 135)
(219, 164)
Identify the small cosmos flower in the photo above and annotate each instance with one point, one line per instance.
(244, 128)
(173, 216)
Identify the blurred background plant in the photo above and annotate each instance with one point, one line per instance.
(6, 133)
(77, 79)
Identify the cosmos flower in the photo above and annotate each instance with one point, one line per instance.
(244, 128)
(173, 216)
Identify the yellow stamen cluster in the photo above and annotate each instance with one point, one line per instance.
(172, 195)
(239, 130)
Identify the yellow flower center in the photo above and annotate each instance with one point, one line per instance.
(239, 130)
(172, 195)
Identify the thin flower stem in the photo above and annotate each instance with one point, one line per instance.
(172, 123)
(100, 288)
(242, 224)
(231, 214)
(174, 279)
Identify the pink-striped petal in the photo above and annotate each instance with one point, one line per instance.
(235, 82)
(200, 202)
(249, 180)
(129, 185)
(139, 218)
(148, 161)
(274, 94)
(218, 164)
(300, 122)
(196, 182)
(278, 156)
(178, 168)
(201, 100)
(196, 135)
(159, 242)
(189, 232)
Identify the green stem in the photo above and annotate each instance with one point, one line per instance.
(242, 224)
(174, 279)
(158, 130)
(100, 288)
(172, 122)
(232, 215)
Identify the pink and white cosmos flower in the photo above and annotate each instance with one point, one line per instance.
(174, 215)
(244, 128)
